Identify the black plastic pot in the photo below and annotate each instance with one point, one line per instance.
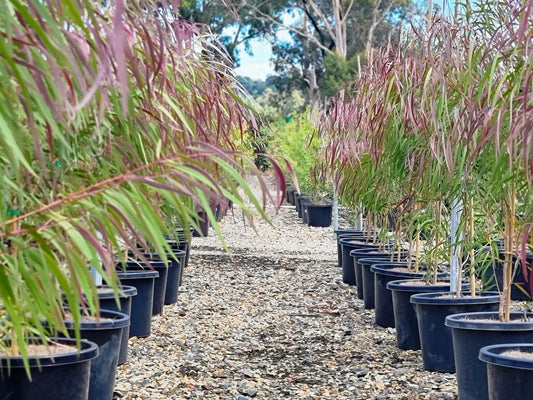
(108, 302)
(405, 321)
(470, 333)
(303, 207)
(291, 196)
(319, 214)
(297, 202)
(141, 305)
(367, 278)
(203, 223)
(492, 279)
(346, 234)
(177, 247)
(300, 201)
(338, 234)
(435, 337)
(383, 274)
(509, 377)
(347, 245)
(160, 283)
(61, 376)
(288, 194)
(174, 276)
(106, 333)
(367, 253)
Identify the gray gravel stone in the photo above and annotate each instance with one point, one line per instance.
(272, 320)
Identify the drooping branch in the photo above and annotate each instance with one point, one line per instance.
(292, 29)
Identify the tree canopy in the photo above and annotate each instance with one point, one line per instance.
(329, 38)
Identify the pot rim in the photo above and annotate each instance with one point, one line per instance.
(127, 291)
(401, 285)
(88, 351)
(386, 269)
(137, 274)
(370, 261)
(492, 355)
(313, 205)
(480, 321)
(110, 320)
(436, 298)
(353, 242)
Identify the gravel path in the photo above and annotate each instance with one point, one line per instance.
(272, 321)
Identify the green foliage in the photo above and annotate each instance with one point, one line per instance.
(114, 131)
(274, 105)
(253, 86)
(294, 140)
(440, 121)
(340, 72)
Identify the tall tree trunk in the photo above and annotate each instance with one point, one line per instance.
(314, 90)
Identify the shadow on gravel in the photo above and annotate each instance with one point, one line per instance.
(254, 261)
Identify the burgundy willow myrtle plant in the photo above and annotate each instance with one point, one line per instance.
(115, 120)
(368, 149)
(459, 99)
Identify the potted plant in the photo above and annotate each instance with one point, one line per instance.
(509, 185)
(97, 134)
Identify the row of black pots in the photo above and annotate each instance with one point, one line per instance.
(157, 284)
(440, 324)
(90, 373)
(317, 215)
(452, 330)
(290, 195)
(220, 211)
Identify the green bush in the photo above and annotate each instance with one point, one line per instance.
(294, 140)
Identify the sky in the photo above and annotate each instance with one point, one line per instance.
(257, 66)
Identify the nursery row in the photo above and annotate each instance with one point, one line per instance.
(461, 334)
(148, 283)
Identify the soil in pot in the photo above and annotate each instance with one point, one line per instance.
(60, 376)
(435, 337)
(509, 370)
(471, 332)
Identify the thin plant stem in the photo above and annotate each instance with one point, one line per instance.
(417, 248)
(471, 257)
(509, 215)
(437, 241)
